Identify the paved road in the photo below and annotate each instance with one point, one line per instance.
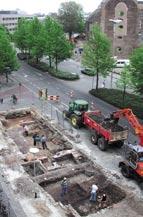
(32, 80)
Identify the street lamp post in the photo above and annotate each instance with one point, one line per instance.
(114, 21)
(34, 151)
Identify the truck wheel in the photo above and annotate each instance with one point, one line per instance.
(125, 171)
(66, 114)
(76, 121)
(102, 144)
(94, 138)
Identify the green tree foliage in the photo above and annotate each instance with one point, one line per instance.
(97, 54)
(8, 61)
(71, 17)
(36, 41)
(43, 38)
(125, 80)
(57, 46)
(20, 35)
(136, 62)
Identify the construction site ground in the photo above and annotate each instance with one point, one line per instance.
(35, 179)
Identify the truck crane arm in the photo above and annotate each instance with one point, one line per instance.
(132, 119)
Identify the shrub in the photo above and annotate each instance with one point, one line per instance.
(63, 75)
(40, 65)
(115, 97)
(52, 71)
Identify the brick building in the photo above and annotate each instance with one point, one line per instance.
(126, 34)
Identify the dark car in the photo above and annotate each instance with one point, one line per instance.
(87, 71)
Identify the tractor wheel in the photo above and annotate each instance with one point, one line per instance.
(102, 144)
(65, 114)
(125, 171)
(94, 138)
(76, 121)
(120, 143)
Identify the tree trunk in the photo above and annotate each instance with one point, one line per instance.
(56, 63)
(97, 80)
(6, 75)
(70, 36)
(124, 93)
(37, 59)
(50, 61)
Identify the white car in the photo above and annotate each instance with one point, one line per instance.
(121, 63)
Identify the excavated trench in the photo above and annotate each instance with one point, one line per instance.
(59, 161)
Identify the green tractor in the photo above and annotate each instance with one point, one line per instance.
(75, 112)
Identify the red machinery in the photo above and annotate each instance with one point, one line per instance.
(133, 164)
(104, 131)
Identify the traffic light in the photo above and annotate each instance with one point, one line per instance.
(46, 93)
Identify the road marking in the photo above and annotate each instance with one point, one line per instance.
(58, 110)
(64, 104)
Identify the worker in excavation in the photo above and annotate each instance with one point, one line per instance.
(25, 129)
(43, 141)
(64, 187)
(36, 138)
(93, 195)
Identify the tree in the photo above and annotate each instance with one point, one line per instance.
(35, 39)
(20, 35)
(136, 62)
(71, 17)
(8, 61)
(57, 46)
(125, 80)
(97, 54)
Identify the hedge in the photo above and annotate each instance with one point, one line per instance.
(115, 97)
(52, 71)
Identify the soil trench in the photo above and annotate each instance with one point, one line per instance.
(49, 166)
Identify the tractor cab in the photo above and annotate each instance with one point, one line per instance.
(78, 106)
(134, 161)
(75, 112)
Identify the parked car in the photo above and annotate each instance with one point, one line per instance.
(121, 63)
(87, 71)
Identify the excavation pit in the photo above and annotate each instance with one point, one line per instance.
(78, 195)
(59, 161)
(29, 168)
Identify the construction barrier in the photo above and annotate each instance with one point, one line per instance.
(53, 97)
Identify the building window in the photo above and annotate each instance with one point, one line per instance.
(119, 37)
(121, 27)
(119, 49)
(121, 13)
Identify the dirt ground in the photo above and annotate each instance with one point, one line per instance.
(58, 161)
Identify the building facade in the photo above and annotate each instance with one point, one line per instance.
(9, 19)
(126, 34)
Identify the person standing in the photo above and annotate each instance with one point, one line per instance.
(64, 187)
(36, 138)
(43, 141)
(103, 84)
(93, 193)
(1, 100)
(25, 128)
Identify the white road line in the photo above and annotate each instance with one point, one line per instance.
(64, 104)
(58, 110)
